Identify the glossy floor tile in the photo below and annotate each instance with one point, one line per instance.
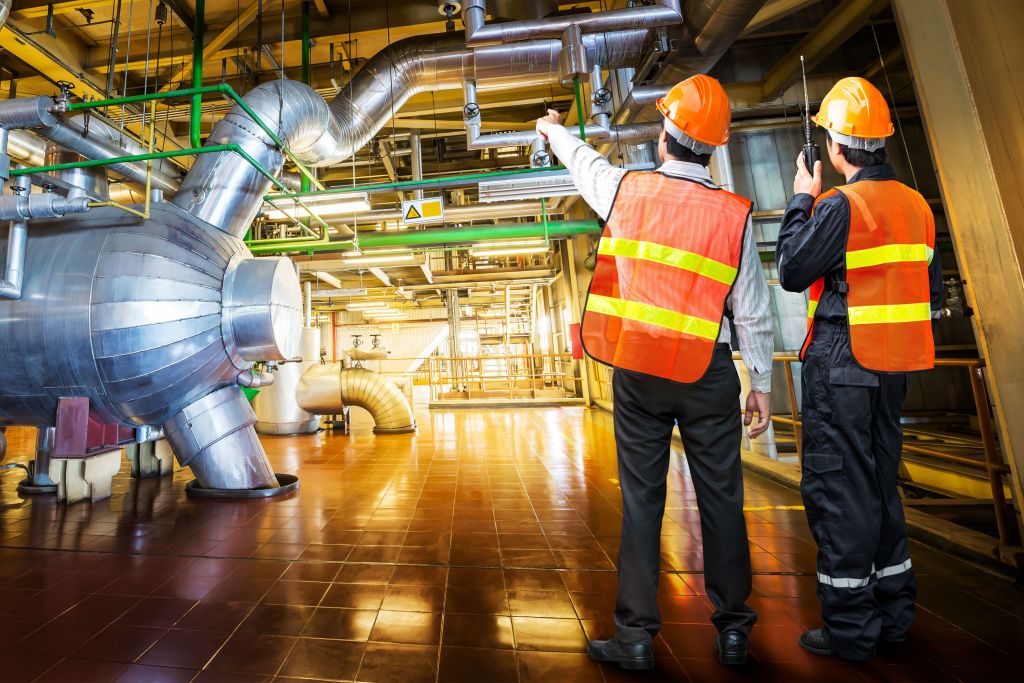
(480, 550)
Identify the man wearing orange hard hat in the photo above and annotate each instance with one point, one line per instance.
(866, 252)
(676, 257)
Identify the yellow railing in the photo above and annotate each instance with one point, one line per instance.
(505, 376)
(992, 463)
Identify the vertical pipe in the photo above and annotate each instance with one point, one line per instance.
(304, 181)
(416, 147)
(113, 51)
(723, 167)
(309, 304)
(601, 114)
(198, 38)
(579, 108)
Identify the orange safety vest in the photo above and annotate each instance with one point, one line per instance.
(666, 262)
(888, 299)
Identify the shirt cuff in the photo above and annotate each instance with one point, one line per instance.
(563, 144)
(761, 381)
(804, 202)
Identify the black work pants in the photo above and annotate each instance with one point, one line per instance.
(852, 439)
(646, 409)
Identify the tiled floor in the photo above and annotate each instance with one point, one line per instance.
(479, 550)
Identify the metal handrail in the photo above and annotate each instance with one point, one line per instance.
(992, 464)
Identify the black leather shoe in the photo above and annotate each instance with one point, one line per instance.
(815, 641)
(732, 647)
(633, 656)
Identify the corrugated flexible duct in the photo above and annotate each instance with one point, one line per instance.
(329, 389)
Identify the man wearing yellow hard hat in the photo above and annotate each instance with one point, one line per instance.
(865, 251)
(677, 254)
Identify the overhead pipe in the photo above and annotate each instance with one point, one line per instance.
(226, 191)
(479, 33)
(440, 238)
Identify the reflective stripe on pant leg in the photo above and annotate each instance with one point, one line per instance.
(894, 569)
(839, 582)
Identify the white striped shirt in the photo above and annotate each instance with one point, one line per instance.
(598, 180)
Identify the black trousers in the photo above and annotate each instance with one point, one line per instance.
(852, 439)
(646, 410)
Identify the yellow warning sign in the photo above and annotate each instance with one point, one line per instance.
(427, 210)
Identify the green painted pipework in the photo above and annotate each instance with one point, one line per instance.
(427, 183)
(198, 38)
(305, 74)
(579, 108)
(441, 237)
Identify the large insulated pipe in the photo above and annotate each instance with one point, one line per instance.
(478, 33)
(86, 135)
(225, 191)
(329, 389)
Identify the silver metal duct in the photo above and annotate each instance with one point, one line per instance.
(5, 10)
(225, 191)
(478, 33)
(277, 411)
(148, 319)
(329, 389)
(89, 181)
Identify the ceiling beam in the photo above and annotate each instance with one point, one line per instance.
(773, 10)
(835, 29)
(321, 7)
(35, 9)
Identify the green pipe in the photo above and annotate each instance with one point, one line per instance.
(579, 108)
(441, 237)
(444, 181)
(198, 37)
(167, 95)
(305, 73)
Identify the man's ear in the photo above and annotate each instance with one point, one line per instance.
(834, 146)
(664, 135)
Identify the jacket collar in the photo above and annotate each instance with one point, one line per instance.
(686, 170)
(880, 172)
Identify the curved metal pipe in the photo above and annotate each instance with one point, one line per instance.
(14, 271)
(226, 191)
(329, 389)
(478, 33)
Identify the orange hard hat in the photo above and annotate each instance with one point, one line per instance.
(699, 108)
(855, 108)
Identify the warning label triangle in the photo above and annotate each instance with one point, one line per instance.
(412, 213)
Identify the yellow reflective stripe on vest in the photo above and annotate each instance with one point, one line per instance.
(889, 253)
(653, 315)
(892, 313)
(669, 256)
(812, 306)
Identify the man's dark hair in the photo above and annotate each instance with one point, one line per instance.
(862, 158)
(683, 153)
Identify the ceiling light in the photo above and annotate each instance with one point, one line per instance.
(521, 251)
(369, 258)
(324, 205)
(366, 305)
(537, 186)
(383, 315)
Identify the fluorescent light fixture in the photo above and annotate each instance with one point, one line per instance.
(536, 186)
(367, 305)
(383, 315)
(325, 206)
(369, 258)
(521, 251)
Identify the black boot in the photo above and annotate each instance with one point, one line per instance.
(634, 656)
(815, 641)
(732, 647)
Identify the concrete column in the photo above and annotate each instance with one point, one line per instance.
(965, 57)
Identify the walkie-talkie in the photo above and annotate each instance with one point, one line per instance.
(812, 153)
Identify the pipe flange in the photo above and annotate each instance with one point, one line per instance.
(471, 111)
(288, 484)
